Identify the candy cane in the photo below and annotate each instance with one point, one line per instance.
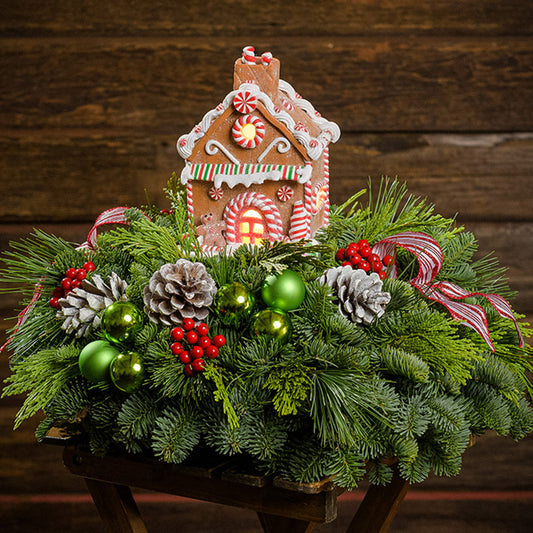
(248, 55)
(266, 58)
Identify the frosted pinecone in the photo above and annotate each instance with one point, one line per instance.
(360, 296)
(178, 291)
(80, 309)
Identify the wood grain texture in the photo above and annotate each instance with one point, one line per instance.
(273, 19)
(370, 84)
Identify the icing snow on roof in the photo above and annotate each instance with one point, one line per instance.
(314, 146)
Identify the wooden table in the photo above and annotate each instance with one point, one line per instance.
(281, 506)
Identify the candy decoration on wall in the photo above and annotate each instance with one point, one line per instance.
(94, 360)
(120, 321)
(216, 193)
(285, 291)
(234, 303)
(245, 102)
(127, 372)
(248, 131)
(285, 193)
(272, 323)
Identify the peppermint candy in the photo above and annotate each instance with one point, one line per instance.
(216, 193)
(245, 102)
(300, 126)
(288, 104)
(248, 131)
(248, 55)
(285, 193)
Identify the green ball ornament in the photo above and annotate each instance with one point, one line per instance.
(234, 303)
(274, 323)
(95, 359)
(285, 291)
(127, 371)
(120, 321)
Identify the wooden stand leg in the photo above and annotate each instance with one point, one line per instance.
(279, 524)
(116, 507)
(379, 507)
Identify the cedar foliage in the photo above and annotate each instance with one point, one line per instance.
(337, 399)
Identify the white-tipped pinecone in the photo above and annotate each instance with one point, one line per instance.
(359, 293)
(80, 308)
(178, 291)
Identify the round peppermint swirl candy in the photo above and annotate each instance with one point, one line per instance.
(245, 102)
(285, 193)
(248, 131)
(216, 193)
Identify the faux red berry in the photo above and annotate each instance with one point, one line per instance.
(355, 259)
(364, 265)
(76, 284)
(382, 275)
(346, 263)
(211, 351)
(89, 266)
(219, 341)
(58, 293)
(81, 274)
(202, 329)
(197, 352)
(177, 334)
(376, 266)
(185, 357)
(363, 243)
(387, 260)
(374, 258)
(176, 348)
(353, 246)
(204, 342)
(191, 337)
(71, 273)
(66, 284)
(189, 371)
(54, 302)
(198, 365)
(365, 251)
(188, 324)
(340, 254)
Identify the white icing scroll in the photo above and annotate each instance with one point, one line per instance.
(212, 147)
(283, 146)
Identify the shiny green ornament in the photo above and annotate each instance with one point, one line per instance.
(94, 360)
(285, 291)
(274, 323)
(120, 321)
(234, 303)
(127, 371)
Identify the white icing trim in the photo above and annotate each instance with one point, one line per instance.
(329, 131)
(283, 146)
(212, 147)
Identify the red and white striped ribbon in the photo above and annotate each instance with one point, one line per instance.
(111, 216)
(429, 256)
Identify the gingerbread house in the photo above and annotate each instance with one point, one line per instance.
(257, 166)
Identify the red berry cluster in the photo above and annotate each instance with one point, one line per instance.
(359, 255)
(72, 280)
(198, 345)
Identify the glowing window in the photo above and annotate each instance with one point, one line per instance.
(251, 226)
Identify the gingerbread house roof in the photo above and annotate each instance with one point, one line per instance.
(282, 103)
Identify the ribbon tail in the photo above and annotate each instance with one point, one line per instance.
(470, 315)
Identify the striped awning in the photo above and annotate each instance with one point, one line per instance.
(246, 174)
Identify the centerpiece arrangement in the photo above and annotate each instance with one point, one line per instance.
(312, 342)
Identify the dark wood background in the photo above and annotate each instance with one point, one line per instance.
(94, 95)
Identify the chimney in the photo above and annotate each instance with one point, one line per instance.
(263, 70)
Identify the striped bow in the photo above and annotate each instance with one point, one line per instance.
(429, 256)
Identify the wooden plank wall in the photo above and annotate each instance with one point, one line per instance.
(95, 94)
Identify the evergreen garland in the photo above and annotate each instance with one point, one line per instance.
(338, 399)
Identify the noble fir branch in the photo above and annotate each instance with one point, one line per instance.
(264, 436)
(176, 433)
(42, 376)
(399, 362)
